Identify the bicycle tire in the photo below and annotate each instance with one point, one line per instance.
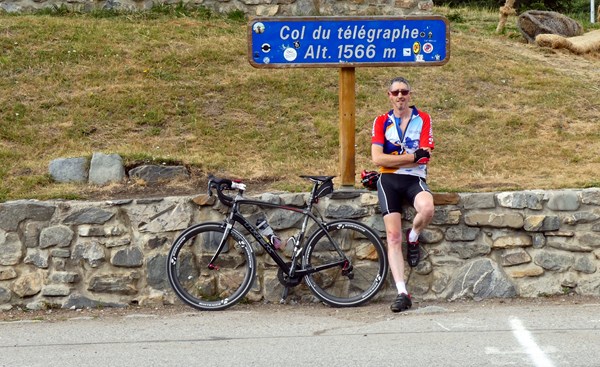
(200, 286)
(367, 255)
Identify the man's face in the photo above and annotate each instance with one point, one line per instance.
(399, 95)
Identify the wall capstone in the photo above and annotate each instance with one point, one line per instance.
(263, 8)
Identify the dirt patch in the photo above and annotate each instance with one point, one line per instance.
(196, 184)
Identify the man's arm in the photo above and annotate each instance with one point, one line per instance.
(391, 160)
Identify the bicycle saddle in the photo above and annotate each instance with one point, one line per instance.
(318, 178)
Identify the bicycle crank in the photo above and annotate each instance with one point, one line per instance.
(286, 280)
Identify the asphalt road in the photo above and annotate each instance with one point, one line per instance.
(541, 332)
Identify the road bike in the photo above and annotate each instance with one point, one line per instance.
(212, 265)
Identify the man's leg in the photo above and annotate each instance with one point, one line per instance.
(423, 204)
(393, 228)
(425, 209)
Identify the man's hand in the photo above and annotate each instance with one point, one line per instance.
(421, 156)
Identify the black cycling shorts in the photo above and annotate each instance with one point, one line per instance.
(394, 190)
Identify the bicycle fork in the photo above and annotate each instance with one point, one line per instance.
(228, 227)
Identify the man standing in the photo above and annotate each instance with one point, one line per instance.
(402, 142)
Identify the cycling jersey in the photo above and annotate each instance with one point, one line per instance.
(387, 133)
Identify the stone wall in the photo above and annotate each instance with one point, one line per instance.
(250, 7)
(74, 254)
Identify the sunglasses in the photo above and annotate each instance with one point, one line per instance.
(404, 92)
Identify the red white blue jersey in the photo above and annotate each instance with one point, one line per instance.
(387, 133)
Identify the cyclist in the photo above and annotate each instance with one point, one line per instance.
(402, 142)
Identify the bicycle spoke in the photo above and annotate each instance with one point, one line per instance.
(211, 286)
(366, 256)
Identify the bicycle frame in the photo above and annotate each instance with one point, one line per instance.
(290, 269)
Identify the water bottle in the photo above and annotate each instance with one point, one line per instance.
(265, 229)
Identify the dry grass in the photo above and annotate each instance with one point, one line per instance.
(506, 115)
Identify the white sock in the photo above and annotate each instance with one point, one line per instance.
(413, 236)
(401, 288)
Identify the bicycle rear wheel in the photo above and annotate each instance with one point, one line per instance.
(354, 282)
(216, 287)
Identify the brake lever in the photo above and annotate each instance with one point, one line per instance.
(209, 191)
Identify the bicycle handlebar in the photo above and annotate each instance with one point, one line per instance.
(221, 184)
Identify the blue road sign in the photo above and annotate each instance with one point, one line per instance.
(348, 41)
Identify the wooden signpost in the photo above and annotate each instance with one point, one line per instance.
(347, 43)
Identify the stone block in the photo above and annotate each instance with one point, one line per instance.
(429, 235)
(174, 218)
(369, 199)
(520, 200)
(204, 200)
(524, 271)
(89, 215)
(69, 170)
(125, 284)
(589, 239)
(156, 272)
(106, 168)
(7, 273)
(581, 217)
(462, 233)
(11, 248)
(515, 256)
(480, 279)
(478, 201)
(552, 260)
(92, 252)
(5, 295)
(267, 10)
(568, 244)
(130, 257)
(496, 220)
(56, 290)
(541, 223)
(60, 236)
(406, 4)
(38, 258)
(585, 264)
(591, 196)
(77, 301)
(512, 241)
(339, 211)
(589, 286)
(14, 212)
(31, 233)
(446, 215)
(426, 6)
(446, 198)
(60, 253)
(64, 277)
(28, 284)
(563, 200)
(469, 250)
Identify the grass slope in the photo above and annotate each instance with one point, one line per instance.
(163, 88)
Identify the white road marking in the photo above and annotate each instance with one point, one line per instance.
(537, 356)
(442, 326)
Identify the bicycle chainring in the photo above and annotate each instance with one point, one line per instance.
(286, 280)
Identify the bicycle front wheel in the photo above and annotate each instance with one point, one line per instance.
(213, 286)
(352, 282)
